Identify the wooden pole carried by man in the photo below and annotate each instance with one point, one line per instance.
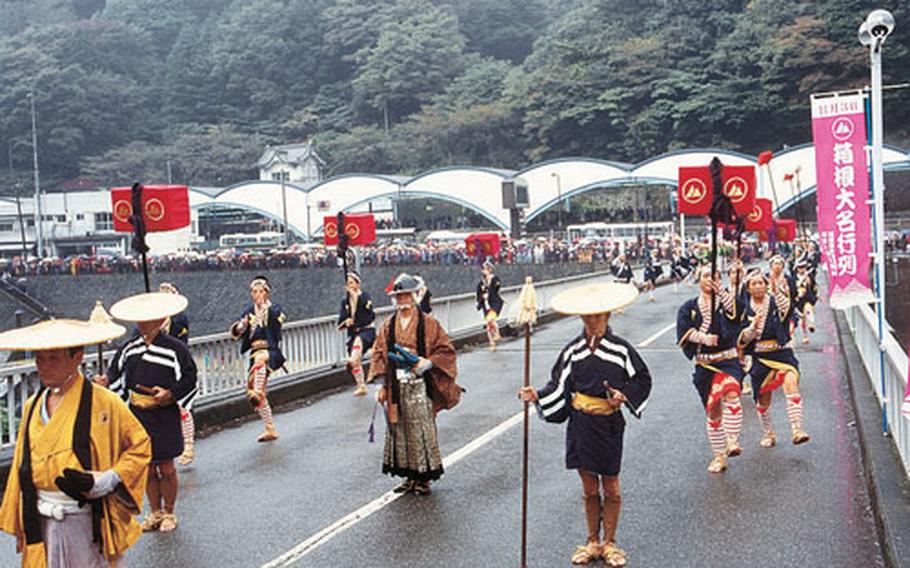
(527, 318)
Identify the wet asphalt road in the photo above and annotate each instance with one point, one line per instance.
(245, 504)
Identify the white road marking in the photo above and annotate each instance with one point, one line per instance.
(346, 522)
(351, 519)
(655, 337)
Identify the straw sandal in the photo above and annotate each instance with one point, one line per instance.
(152, 521)
(404, 487)
(769, 440)
(587, 553)
(361, 390)
(168, 523)
(800, 436)
(733, 447)
(421, 488)
(613, 555)
(188, 455)
(718, 464)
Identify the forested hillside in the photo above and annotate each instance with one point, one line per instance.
(396, 86)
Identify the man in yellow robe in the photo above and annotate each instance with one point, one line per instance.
(81, 460)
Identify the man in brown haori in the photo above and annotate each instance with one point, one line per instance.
(416, 358)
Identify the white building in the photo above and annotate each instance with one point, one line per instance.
(76, 222)
(294, 162)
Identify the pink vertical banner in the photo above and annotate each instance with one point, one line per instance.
(842, 192)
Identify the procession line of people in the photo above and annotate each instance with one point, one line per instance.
(81, 508)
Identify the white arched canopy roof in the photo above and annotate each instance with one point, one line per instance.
(479, 189)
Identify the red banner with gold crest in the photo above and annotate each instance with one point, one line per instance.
(164, 207)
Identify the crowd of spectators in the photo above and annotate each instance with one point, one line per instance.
(538, 250)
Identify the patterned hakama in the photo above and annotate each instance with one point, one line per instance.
(411, 445)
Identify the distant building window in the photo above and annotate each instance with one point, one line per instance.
(276, 176)
(29, 222)
(60, 218)
(80, 216)
(6, 227)
(104, 222)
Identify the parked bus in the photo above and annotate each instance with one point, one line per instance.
(618, 232)
(266, 239)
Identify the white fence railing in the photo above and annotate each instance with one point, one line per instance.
(864, 326)
(309, 346)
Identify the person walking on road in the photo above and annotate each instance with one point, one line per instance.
(489, 302)
(356, 317)
(710, 339)
(156, 371)
(416, 359)
(767, 341)
(81, 459)
(259, 333)
(594, 375)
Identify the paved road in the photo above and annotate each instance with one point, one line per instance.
(245, 504)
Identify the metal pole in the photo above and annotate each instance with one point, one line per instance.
(38, 230)
(878, 198)
(169, 171)
(682, 230)
(524, 454)
(284, 207)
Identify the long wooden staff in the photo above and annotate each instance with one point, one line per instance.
(527, 316)
(100, 316)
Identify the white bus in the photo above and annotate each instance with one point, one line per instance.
(266, 239)
(618, 232)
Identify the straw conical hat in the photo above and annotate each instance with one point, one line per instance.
(59, 334)
(594, 298)
(148, 307)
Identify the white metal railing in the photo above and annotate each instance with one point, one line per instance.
(864, 326)
(309, 345)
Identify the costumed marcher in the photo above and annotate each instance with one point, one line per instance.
(594, 375)
(622, 271)
(710, 339)
(489, 302)
(767, 341)
(416, 359)
(806, 297)
(679, 268)
(154, 371)
(778, 278)
(80, 463)
(357, 317)
(178, 326)
(259, 332)
(653, 271)
(736, 274)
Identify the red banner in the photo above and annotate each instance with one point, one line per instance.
(694, 190)
(360, 229)
(487, 243)
(164, 207)
(760, 219)
(739, 186)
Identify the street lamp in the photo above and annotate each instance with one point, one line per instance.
(872, 33)
(39, 232)
(558, 200)
(284, 206)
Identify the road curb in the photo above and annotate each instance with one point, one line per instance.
(888, 486)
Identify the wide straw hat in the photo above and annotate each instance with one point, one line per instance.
(149, 307)
(593, 299)
(59, 334)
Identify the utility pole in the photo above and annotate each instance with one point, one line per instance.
(39, 233)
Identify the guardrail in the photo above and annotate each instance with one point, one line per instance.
(309, 345)
(863, 326)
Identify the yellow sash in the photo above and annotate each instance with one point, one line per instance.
(592, 404)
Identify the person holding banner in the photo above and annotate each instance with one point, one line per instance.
(767, 341)
(710, 339)
(490, 302)
(178, 326)
(594, 375)
(357, 317)
(156, 371)
(259, 332)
